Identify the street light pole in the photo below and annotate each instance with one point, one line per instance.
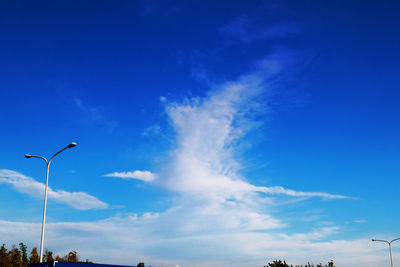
(390, 247)
(45, 191)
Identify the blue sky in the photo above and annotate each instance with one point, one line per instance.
(209, 134)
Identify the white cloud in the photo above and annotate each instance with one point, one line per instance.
(217, 216)
(207, 130)
(29, 186)
(279, 190)
(130, 239)
(139, 175)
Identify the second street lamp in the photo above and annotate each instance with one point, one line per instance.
(390, 247)
(45, 191)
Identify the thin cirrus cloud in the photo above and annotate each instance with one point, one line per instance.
(139, 175)
(279, 190)
(206, 132)
(94, 114)
(247, 29)
(29, 186)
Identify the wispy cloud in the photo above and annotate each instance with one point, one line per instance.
(94, 114)
(360, 221)
(139, 175)
(279, 190)
(214, 204)
(29, 186)
(247, 29)
(207, 131)
(153, 130)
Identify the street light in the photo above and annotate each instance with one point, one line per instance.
(390, 247)
(45, 191)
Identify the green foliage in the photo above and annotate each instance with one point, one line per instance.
(279, 263)
(4, 257)
(24, 255)
(48, 256)
(15, 257)
(58, 258)
(72, 256)
(34, 256)
(140, 264)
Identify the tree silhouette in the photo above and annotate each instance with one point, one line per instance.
(24, 255)
(34, 256)
(72, 256)
(4, 258)
(48, 255)
(15, 257)
(277, 263)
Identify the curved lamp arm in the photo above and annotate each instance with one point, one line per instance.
(48, 161)
(33, 156)
(379, 240)
(69, 146)
(394, 240)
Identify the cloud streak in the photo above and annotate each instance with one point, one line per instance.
(279, 190)
(145, 176)
(29, 186)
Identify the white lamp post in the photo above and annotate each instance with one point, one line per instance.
(45, 191)
(390, 247)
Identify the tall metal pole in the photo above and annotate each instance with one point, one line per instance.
(390, 247)
(44, 212)
(391, 257)
(45, 192)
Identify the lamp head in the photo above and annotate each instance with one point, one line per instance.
(72, 144)
(28, 156)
